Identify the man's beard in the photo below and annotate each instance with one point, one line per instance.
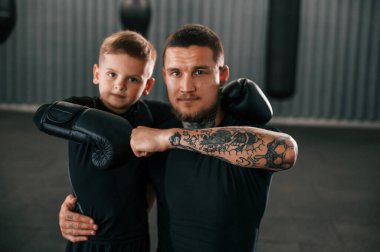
(205, 118)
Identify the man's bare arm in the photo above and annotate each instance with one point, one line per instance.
(247, 147)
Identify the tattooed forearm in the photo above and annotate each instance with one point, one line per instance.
(247, 147)
(274, 158)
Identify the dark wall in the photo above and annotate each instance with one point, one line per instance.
(50, 53)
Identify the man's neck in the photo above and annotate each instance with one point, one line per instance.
(213, 120)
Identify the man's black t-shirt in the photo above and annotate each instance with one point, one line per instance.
(205, 203)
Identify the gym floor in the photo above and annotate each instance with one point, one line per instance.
(328, 202)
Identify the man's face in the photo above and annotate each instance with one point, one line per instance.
(193, 80)
(122, 80)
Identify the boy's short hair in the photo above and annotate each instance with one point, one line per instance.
(198, 35)
(129, 42)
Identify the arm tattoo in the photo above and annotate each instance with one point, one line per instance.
(175, 139)
(240, 147)
(274, 157)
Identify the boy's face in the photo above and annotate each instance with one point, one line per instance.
(122, 80)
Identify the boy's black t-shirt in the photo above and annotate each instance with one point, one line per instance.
(206, 204)
(114, 198)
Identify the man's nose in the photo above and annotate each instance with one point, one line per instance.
(187, 84)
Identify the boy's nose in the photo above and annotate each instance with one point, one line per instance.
(119, 86)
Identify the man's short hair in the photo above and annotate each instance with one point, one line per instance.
(128, 42)
(198, 35)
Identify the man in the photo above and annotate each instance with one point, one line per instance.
(211, 183)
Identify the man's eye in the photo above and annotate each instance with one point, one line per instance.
(175, 73)
(199, 72)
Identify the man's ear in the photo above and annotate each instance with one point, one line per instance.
(148, 86)
(224, 74)
(95, 74)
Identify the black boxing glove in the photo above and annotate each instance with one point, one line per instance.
(245, 98)
(109, 134)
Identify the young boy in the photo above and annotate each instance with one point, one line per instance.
(116, 198)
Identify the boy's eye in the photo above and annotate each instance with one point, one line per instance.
(111, 75)
(134, 80)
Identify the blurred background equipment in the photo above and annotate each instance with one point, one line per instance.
(7, 18)
(282, 47)
(135, 15)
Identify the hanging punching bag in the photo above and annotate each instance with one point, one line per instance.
(7, 18)
(282, 45)
(135, 15)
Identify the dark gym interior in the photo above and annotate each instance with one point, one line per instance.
(317, 61)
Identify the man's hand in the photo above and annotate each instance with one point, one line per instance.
(75, 227)
(146, 141)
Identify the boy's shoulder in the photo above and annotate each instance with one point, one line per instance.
(161, 112)
(157, 105)
(83, 100)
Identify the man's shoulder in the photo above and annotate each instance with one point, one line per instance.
(235, 120)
